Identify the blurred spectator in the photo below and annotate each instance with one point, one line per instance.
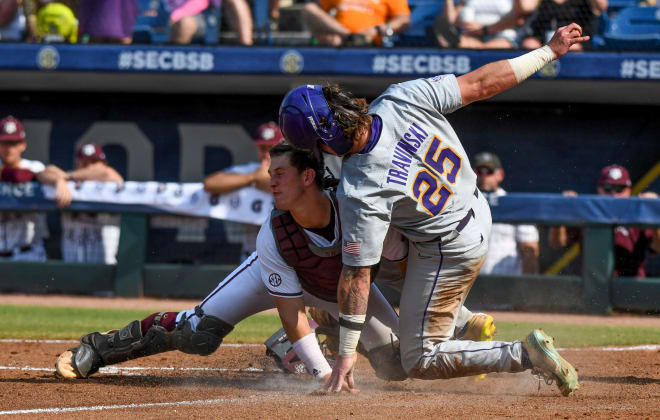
(356, 22)
(552, 14)
(254, 174)
(447, 34)
(188, 23)
(514, 249)
(472, 19)
(55, 22)
(22, 233)
(630, 243)
(108, 21)
(90, 237)
(14, 22)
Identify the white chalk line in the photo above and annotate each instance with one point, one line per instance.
(135, 370)
(53, 341)
(645, 347)
(122, 406)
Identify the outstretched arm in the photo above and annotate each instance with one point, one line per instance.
(353, 297)
(493, 78)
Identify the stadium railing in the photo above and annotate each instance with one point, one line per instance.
(596, 291)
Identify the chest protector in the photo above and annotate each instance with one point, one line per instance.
(318, 268)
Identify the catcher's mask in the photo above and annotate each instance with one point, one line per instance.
(301, 112)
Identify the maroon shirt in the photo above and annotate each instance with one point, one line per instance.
(630, 245)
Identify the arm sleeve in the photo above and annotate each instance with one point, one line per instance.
(279, 278)
(439, 92)
(527, 233)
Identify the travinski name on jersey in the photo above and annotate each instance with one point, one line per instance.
(406, 147)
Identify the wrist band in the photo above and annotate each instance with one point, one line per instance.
(350, 327)
(307, 348)
(484, 30)
(528, 64)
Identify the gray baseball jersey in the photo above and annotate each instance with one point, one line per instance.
(417, 176)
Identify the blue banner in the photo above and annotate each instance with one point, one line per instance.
(311, 61)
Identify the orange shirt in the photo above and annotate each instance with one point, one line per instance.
(358, 15)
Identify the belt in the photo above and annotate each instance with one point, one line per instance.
(7, 254)
(464, 221)
(470, 214)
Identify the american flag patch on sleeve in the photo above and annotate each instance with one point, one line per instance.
(352, 247)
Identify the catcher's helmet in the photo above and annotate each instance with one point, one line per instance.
(300, 120)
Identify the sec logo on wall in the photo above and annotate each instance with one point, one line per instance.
(48, 58)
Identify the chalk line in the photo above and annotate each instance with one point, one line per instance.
(121, 406)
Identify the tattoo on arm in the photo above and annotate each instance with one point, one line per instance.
(353, 290)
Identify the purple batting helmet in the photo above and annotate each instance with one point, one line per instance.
(301, 112)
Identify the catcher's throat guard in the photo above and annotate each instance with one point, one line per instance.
(281, 350)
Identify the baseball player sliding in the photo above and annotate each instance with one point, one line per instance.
(404, 167)
(297, 263)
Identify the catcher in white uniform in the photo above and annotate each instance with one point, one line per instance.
(405, 168)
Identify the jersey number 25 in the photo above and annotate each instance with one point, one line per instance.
(427, 188)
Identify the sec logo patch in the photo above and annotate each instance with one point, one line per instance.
(274, 279)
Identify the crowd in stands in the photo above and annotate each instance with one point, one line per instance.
(476, 24)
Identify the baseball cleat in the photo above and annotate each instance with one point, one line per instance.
(546, 360)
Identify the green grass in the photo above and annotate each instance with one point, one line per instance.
(35, 322)
(70, 323)
(573, 335)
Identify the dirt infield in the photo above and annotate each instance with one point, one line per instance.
(241, 382)
(615, 384)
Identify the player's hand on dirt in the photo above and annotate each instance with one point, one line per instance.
(565, 38)
(341, 378)
(261, 176)
(569, 193)
(63, 194)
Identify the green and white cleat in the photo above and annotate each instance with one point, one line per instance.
(547, 362)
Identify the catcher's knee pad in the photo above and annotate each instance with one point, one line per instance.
(386, 362)
(210, 332)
